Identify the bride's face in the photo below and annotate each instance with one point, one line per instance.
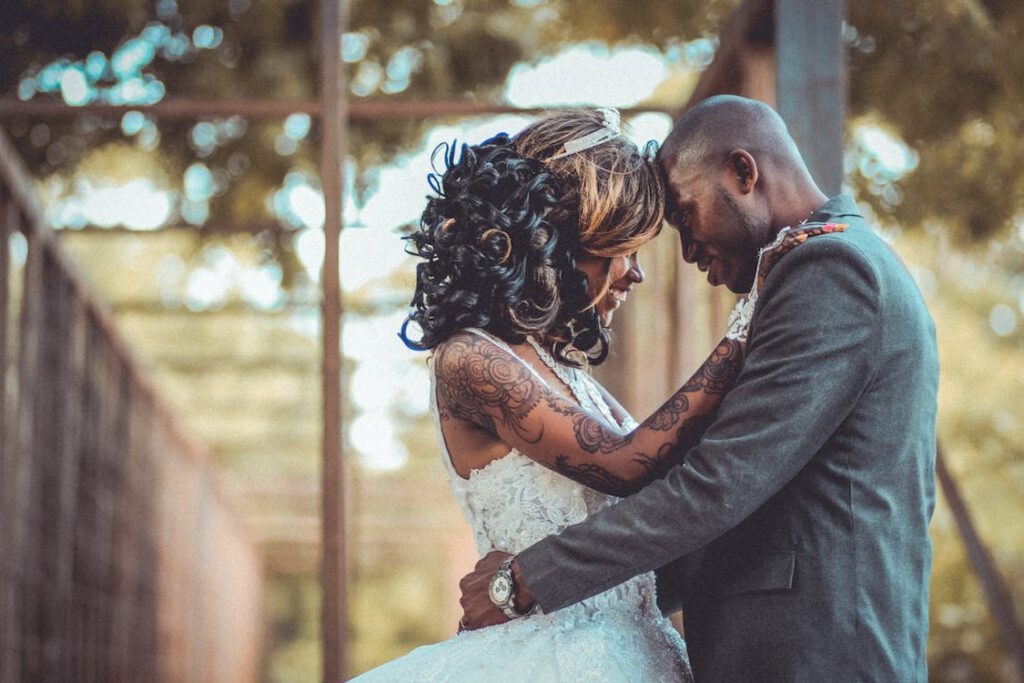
(614, 277)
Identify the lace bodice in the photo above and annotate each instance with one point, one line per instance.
(514, 501)
(618, 636)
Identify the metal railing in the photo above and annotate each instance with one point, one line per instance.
(119, 560)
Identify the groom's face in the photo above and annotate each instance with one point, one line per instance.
(715, 232)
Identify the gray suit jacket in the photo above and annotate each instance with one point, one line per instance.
(809, 497)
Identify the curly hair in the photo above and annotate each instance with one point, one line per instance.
(501, 239)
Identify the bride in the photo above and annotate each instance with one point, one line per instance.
(528, 249)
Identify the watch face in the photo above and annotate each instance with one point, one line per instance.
(500, 590)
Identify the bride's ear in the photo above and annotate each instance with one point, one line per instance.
(743, 169)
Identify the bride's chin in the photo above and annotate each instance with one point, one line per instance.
(608, 310)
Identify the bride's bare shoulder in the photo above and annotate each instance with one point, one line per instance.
(473, 358)
(454, 351)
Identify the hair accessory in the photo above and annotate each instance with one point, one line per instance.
(508, 241)
(611, 128)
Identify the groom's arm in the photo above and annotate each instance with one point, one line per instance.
(812, 353)
(674, 578)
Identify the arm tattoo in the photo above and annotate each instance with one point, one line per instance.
(593, 476)
(669, 414)
(594, 437)
(679, 414)
(486, 386)
(715, 377)
(476, 376)
(596, 477)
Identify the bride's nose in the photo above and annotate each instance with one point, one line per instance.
(635, 272)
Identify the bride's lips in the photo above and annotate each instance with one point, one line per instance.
(618, 295)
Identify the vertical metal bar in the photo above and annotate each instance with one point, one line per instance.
(8, 564)
(334, 612)
(998, 596)
(48, 424)
(812, 83)
(67, 313)
(23, 664)
(6, 219)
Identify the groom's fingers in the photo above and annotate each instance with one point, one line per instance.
(478, 610)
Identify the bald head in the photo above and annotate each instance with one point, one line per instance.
(709, 131)
(733, 178)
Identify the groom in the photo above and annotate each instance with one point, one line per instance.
(810, 495)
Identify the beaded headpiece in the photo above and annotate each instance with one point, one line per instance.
(611, 128)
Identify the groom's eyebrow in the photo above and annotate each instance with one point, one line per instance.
(681, 224)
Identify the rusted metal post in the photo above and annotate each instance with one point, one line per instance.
(812, 83)
(8, 564)
(23, 441)
(7, 209)
(334, 614)
(178, 108)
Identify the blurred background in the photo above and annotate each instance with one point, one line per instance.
(163, 241)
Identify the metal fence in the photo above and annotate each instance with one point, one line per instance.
(118, 559)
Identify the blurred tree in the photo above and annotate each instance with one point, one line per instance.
(963, 124)
(947, 77)
(133, 51)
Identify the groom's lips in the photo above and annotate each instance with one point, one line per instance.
(708, 267)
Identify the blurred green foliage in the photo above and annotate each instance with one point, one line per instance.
(948, 76)
(981, 427)
(962, 117)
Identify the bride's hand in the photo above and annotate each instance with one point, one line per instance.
(739, 320)
(790, 241)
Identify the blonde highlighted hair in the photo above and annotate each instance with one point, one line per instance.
(501, 240)
(612, 196)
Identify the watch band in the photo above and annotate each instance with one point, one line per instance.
(508, 607)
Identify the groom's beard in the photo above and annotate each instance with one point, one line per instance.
(742, 251)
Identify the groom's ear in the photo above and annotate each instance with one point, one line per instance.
(744, 169)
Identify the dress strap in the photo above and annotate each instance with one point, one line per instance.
(580, 383)
(500, 343)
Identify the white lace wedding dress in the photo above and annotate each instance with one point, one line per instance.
(616, 636)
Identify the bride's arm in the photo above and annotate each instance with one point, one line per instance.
(495, 390)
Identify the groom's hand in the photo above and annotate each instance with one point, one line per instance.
(477, 609)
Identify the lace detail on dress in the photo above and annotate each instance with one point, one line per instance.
(513, 501)
(743, 312)
(510, 504)
(580, 383)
